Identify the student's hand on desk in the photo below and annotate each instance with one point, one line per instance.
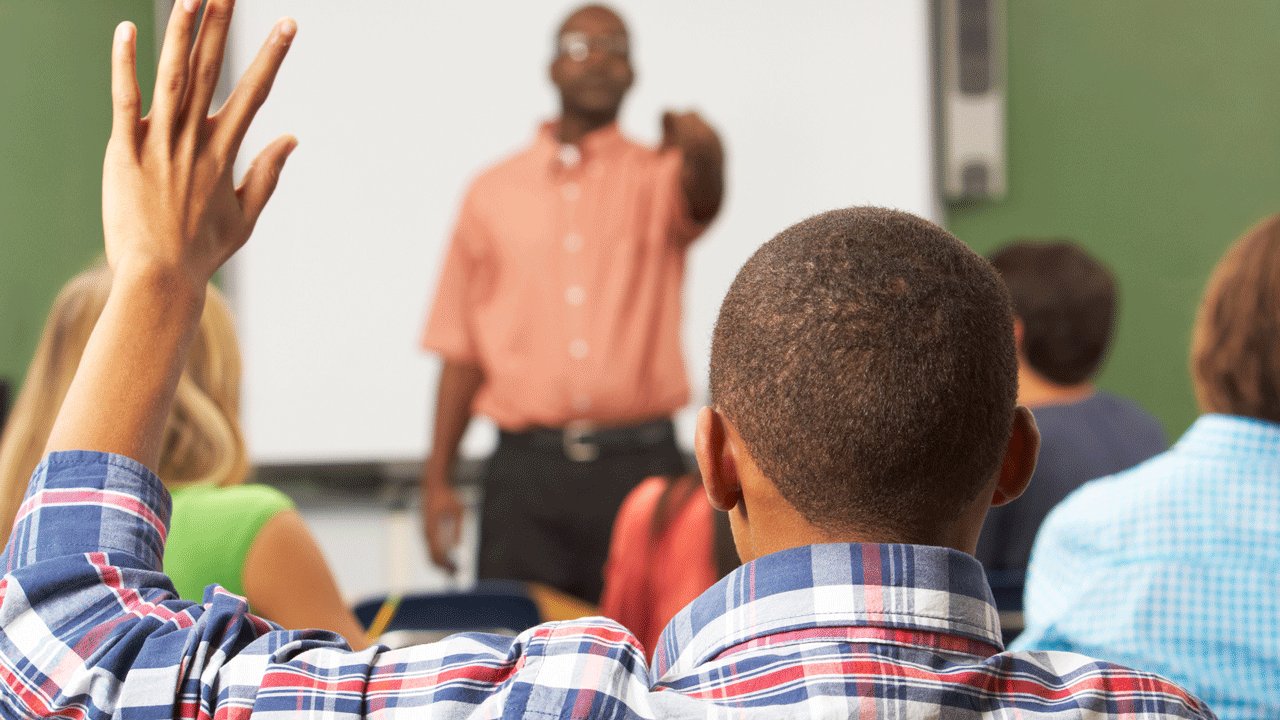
(170, 204)
(442, 522)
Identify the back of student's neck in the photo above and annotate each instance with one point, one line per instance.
(766, 523)
(1036, 391)
(801, 534)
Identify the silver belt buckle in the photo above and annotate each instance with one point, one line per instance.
(574, 438)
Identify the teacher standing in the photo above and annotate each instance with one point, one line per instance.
(557, 315)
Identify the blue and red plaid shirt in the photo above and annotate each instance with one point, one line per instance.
(90, 628)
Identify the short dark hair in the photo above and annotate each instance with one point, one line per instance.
(587, 8)
(866, 358)
(1066, 300)
(1235, 351)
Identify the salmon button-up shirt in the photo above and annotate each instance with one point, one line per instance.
(562, 282)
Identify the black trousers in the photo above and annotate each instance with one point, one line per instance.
(546, 518)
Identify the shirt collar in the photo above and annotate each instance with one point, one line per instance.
(1214, 435)
(898, 587)
(594, 144)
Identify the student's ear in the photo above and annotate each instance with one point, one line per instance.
(715, 459)
(1019, 458)
(1019, 332)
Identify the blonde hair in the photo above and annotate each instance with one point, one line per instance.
(203, 442)
(1235, 348)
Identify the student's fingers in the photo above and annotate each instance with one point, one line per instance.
(455, 526)
(252, 90)
(171, 74)
(263, 174)
(441, 524)
(440, 549)
(206, 59)
(126, 99)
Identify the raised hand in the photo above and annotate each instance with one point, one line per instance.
(170, 203)
(690, 133)
(172, 214)
(702, 176)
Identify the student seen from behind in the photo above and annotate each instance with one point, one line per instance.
(1175, 565)
(1064, 304)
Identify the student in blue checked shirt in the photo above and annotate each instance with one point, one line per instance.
(864, 420)
(1174, 565)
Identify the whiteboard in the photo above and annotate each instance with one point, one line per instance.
(398, 104)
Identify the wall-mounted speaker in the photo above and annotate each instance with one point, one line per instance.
(971, 75)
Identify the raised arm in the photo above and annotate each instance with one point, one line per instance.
(702, 174)
(172, 215)
(89, 625)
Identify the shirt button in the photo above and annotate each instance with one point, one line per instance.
(578, 349)
(572, 242)
(575, 295)
(570, 156)
(571, 191)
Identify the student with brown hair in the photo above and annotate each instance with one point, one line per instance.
(863, 377)
(1175, 564)
(247, 538)
(1064, 307)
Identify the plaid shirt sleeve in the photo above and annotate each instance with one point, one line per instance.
(90, 628)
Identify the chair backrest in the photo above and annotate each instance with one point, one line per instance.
(500, 606)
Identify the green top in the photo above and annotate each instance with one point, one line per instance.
(211, 532)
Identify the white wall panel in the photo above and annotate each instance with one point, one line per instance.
(399, 103)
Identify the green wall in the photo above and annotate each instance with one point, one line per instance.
(1149, 131)
(55, 116)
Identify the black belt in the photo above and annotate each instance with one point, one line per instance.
(585, 441)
